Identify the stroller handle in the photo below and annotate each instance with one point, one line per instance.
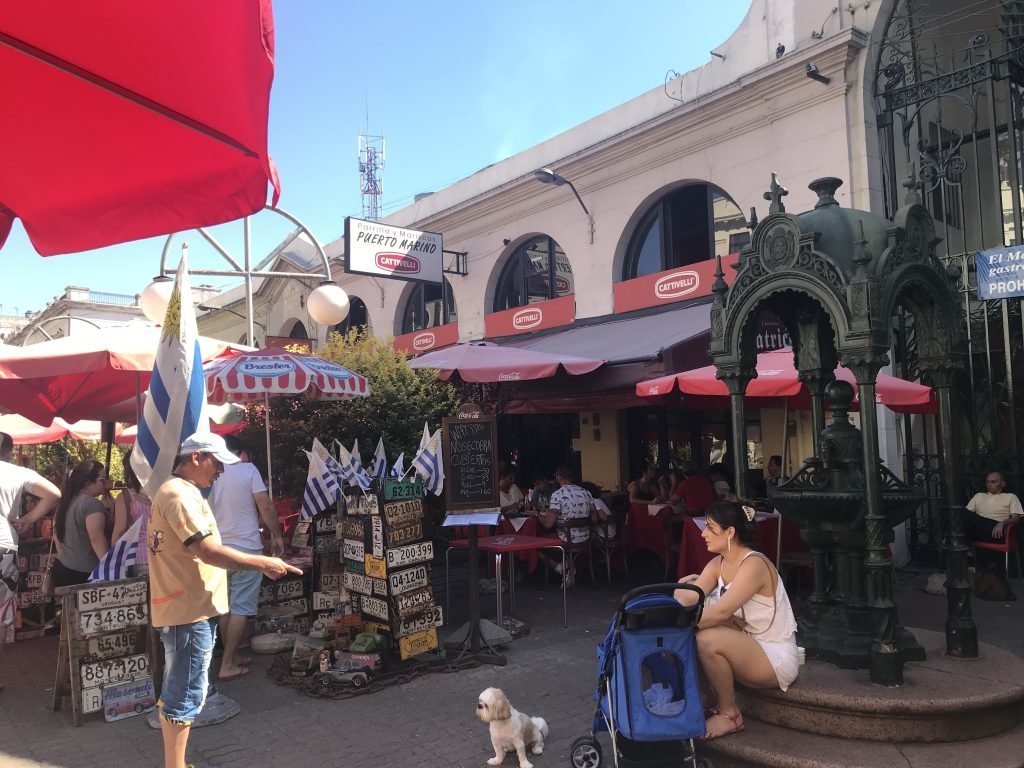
(666, 588)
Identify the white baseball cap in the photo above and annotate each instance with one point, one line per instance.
(208, 442)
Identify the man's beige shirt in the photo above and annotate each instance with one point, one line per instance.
(995, 506)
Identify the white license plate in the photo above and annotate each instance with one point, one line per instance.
(410, 553)
(287, 589)
(357, 582)
(34, 579)
(377, 536)
(330, 582)
(325, 601)
(326, 523)
(121, 670)
(374, 607)
(113, 644)
(109, 619)
(92, 700)
(414, 602)
(353, 550)
(112, 595)
(429, 619)
(408, 580)
(402, 512)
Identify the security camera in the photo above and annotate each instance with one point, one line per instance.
(506, 241)
(814, 74)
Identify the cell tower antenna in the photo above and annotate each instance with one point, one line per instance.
(371, 167)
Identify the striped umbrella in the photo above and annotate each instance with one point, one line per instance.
(266, 373)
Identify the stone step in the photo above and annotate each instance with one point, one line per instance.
(943, 699)
(762, 745)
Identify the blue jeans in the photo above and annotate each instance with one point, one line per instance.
(188, 649)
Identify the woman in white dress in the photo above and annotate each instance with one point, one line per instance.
(747, 633)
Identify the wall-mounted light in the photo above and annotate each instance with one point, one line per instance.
(814, 74)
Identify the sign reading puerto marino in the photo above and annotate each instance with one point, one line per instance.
(372, 248)
(1000, 273)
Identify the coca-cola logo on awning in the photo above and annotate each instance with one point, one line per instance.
(422, 341)
(530, 317)
(402, 263)
(510, 376)
(677, 284)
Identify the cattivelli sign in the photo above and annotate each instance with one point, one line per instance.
(372, 248)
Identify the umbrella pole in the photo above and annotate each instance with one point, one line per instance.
(785, 463)
(266, 424)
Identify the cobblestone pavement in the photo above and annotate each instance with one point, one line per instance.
(427, 722)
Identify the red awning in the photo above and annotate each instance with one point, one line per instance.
(777, 380)
(485, 362)
(129, 119)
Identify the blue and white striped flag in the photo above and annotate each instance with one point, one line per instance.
(380, 461)
(399, 469)
(357, 466)
(426, 437)
(113, 566)
(176, 401)
(322, 488)
(346, 468)
(429, 465)
(342, 470)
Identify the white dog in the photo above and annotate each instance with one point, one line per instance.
(510, 729)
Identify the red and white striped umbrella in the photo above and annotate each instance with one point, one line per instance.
(269, 372)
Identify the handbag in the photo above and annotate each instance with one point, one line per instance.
(48, 587)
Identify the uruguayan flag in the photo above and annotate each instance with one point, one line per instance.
(357, 466)
(399, 469)
(114, 565)
(176, 401)
(426, 437)
(346, 467)
(380, 461)
(322, 488)
(429, 465)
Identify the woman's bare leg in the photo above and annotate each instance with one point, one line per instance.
(727, 655)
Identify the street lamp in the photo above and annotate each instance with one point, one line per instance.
(327, 305)
(548, 176)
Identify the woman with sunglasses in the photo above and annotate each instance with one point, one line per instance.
(79, 525)
(747, 633)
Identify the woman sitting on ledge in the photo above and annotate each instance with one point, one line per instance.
(747, 631)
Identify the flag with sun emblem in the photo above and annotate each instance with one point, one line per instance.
(176, 401)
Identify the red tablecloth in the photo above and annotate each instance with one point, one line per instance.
(694, 555)
(646, 531)
(529, 528)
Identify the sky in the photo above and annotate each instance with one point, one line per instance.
(452, 86)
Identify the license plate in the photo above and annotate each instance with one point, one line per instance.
(357, 582)
(34, 580)
(377, 536)
(112, 595)
(404, 534)
(403, 512)
(114, 644)
(362, 505)
(330, 582)
(323, 544)
(285, 589)
(25, 599)
(375, 567)
(266, 594)
(109, 619)
(417, 643)
(92, 700)
(325, 601)
(408, 580)
(120, 670)
(353, 528)
(421, 622)
(374, 606)
(353, 550)
(355, 566)
(402, 489)
(414, 602)
(296, 606)
(411, 553)
(326, 523)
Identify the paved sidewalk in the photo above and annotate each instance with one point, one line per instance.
(427, 722)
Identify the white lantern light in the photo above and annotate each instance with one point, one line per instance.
(155, 298)
(328, 304)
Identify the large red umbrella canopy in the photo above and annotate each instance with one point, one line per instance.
(86, 375)
(130, 119)
(777, 380)
(484, 362)
(26, 432)
(270, 372)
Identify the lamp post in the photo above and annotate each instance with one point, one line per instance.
(327, 305)
(548, 176)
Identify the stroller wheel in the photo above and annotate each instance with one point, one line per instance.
(585, 752)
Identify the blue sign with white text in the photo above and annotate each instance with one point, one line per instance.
(1000, 273)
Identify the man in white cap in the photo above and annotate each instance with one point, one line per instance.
(188, 584)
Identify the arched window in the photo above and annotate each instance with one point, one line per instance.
(298, 331)
(429, 306)
(357, 317)
(538, 270)
(689, 225)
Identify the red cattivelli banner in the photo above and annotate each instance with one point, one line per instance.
(418, 342)
(532, 317)
(689, 282)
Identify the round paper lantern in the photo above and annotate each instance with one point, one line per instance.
(328, 304)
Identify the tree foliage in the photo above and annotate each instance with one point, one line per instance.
(56, 460)
(400, 400)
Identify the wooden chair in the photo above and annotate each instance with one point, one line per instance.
(566, 529)
(1005, 545)
(611, 543)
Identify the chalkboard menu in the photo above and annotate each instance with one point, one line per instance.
(470, 461)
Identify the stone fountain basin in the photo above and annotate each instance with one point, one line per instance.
(810, 506)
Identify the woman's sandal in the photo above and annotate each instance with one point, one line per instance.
(737, 721)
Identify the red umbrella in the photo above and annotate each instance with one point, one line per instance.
(26, 432)
(133, 119)
(129, 434)
(481, 361)
(776, 380)
(86, 375)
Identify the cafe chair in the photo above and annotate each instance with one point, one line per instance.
(611, 543)
(1005, 545)
(672, 538)
(574, 550)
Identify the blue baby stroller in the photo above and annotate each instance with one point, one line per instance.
(648, 694)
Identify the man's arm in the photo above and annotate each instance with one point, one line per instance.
(269, 517)
(220, 556)
(48, 495)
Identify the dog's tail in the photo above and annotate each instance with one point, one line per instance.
(541, 725)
